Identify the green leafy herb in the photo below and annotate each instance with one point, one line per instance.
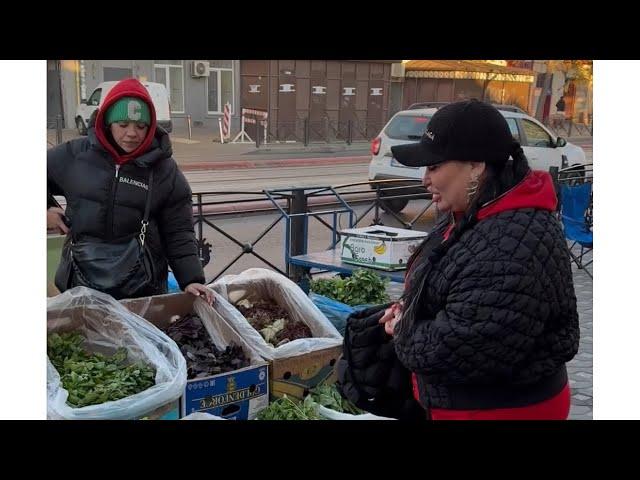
(286, 408)
(328, 396)
(94, 378)
(363, 287)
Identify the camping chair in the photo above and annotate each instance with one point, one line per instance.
(576, 212)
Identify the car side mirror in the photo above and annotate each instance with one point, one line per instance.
(561, 142)
(83, 102)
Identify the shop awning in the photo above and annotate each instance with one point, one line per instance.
(466, 69)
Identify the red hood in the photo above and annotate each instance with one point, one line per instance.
(534, 191)
(125, 88)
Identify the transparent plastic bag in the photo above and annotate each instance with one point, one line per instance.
(201, 416)
(261, 284)
(330, 414)
(106, 326)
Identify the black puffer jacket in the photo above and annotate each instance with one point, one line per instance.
(107, 203)
(498, 318)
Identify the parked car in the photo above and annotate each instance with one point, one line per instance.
(542, 147)
(158, 94)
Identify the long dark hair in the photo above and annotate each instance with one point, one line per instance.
(497, 180)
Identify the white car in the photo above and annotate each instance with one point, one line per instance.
(158, 94)
(542, 148)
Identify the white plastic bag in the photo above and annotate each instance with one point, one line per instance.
(220, 329)
(335, 415)
(107, 325)
(202, 416)
(261, 284)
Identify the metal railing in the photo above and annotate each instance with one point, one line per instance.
(58, 125)
(246, 248)
(296, 205)
(569, 127)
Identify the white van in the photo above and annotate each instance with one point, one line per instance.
(158, 94)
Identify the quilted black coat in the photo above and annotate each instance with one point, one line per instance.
(369, 372)
(498, 317)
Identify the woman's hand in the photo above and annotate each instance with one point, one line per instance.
(198, 290)
(390, 325)
(391, 317)
(54, 220)
(389, 313)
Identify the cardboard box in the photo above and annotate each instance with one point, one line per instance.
(52, 290)
(377, 246)
(297, 366)
(170, 411)
(236, 395)
(73, 319)
(295, 376)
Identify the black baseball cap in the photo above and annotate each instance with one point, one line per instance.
(470, 130)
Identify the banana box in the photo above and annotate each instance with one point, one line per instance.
(377, 246)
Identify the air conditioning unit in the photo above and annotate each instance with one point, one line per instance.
(200, 68)
(397, 70)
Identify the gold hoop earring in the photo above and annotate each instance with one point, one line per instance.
(472, 188)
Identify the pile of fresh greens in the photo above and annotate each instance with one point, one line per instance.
(203, 357)
(363, 287)
(93, 378)
(286, 408)
(273, 322)
(328, 396)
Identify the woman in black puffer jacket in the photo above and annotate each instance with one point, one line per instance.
(106, 179)
(488, 319)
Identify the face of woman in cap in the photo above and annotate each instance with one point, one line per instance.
(448, 183)
(129, 135)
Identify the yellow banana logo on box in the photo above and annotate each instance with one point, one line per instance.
(380, 249)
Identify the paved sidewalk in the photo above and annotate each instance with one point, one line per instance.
(204, 151)
(201, 152)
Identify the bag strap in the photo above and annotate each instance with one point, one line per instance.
(147, 210)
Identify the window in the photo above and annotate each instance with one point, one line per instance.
(94, 100)
(407, 127)
(113, 74)
(536, 135)
(219, 89)
(513, 126)
(170, 73)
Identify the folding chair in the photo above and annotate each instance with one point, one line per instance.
(576, 211)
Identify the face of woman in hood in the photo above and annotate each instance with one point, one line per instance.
(129, 135)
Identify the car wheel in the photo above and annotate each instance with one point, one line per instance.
(82, 129)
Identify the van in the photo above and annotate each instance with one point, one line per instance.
(158, 94)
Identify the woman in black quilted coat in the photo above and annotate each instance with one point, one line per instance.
(106, 179)
(488, 319)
